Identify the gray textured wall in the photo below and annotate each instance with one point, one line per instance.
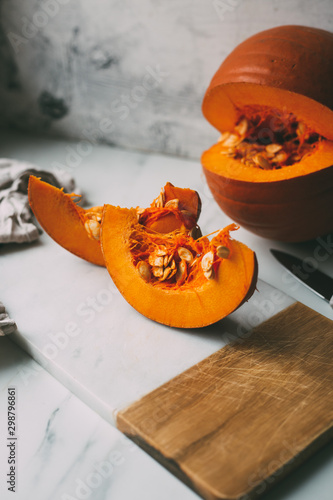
(125, 72)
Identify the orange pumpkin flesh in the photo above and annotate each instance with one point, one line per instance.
(283, 75)
(185, 211)
(62, 219)
(77, 229)
(187, 300)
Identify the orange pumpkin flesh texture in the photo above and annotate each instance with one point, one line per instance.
(62, 219)
(187, 298)
(279, 84)
(66, 222)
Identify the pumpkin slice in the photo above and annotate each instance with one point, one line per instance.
(78, 230)
(63, 220)
(272, 169)
(173, 278)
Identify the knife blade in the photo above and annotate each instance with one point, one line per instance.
(307, 274)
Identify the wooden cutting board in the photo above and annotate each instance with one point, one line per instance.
(242, 418)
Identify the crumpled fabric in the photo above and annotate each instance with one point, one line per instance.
(17, 222)
(7, 325)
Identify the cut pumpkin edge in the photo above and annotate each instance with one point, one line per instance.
(230, 168)
(231, 97)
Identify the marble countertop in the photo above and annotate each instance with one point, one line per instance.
(62, 307)
(64, 450)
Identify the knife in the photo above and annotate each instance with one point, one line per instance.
(307, 274)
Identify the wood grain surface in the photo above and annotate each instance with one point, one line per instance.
(239, 420)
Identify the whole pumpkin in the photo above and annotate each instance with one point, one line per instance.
(272, 100)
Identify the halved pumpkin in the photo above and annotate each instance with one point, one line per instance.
(78, 230)
(173, 278)
(272, 100)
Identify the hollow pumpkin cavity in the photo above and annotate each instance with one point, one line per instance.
(268, 139)
(175, 278)
(176, 259)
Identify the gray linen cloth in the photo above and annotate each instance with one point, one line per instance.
(17, 222)
(7, 325)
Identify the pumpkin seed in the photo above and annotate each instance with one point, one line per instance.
(295, 158)
(207, 261)
(99, 210)
(172, 203)
(232, 140)
(93, 228)
(155, 260)
(300, 129)
(159, 202)
(242, 127)
(185, 254)
(166, 273)
(93, 216)
(157, 271)
(161, 251)
(222, 252)
(224, 136)
(281, 157)
(273, 148)
(262, 162)
(181, 272)
(167, 259)
(143, 270)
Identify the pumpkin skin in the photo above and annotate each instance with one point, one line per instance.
(233, 284)
(64, 220)
(288, 68)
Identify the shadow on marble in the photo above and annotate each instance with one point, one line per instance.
(10, 355)
(12, 248)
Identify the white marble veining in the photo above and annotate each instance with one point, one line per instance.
(64, 450)
(128, 73)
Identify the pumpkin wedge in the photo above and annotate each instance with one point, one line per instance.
(63, 220)
(173, 278)
(78, 230)
(272, 168)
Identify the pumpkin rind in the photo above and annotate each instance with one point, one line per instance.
(183, 308)
(290, 69)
